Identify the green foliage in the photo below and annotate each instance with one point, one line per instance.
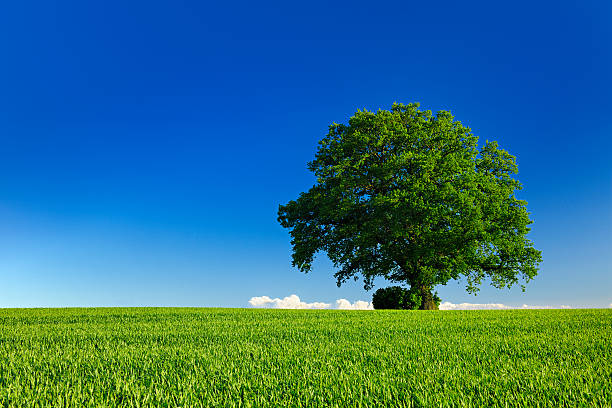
(398, 298)
(394, 297)
(408, 196)
(168, 357)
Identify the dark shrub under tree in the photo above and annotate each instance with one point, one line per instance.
(396, 297)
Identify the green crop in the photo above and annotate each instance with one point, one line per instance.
(289, 358)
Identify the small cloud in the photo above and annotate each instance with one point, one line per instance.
(493, 306)
(544, 307)
(260, 301)
(294, 302)
(472, 306)
(289, 302)
(610, 305)
(358, 305)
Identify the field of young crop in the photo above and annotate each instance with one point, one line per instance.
(290, 358)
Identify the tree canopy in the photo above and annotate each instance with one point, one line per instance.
(408, 195)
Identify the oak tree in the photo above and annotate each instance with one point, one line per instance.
(410, 196)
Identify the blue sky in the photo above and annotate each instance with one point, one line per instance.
(145, 146)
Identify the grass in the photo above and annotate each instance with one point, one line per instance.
(289, 358)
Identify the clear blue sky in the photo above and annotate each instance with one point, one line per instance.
(145, 146)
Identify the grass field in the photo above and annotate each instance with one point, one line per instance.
(277, 358)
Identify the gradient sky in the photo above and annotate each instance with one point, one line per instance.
(145, 146)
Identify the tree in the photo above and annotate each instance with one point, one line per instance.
(408, 196)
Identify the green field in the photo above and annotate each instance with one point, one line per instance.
(276, 358)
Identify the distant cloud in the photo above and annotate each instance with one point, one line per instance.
(358, 305)
(294, 302)
(472, 306)
(289, 302)
(610, 305)
(494, 306)
(540, 307)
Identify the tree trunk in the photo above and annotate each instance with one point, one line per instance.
(427, 301)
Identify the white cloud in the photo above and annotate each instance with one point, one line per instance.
(289, 302)
(610, 305)
(294, 302)
(539, 307)
(260, 301)
(358, 305)
(471, 306)
(493, 306)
